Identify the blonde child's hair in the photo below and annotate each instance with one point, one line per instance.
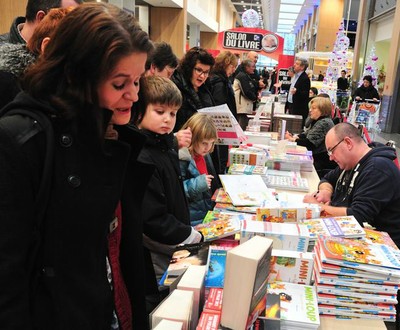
(203, 128)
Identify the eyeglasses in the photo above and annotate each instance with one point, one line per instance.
(331, 150)
(200, 71)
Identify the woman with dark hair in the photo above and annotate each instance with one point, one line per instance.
(58, 276)
(366, 91)
(190, 78)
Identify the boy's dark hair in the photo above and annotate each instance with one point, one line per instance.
(161, 56)
(314, 90)
(33, 6)
(155, 90)
(189, 60)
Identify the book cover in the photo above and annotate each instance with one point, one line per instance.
(299, 304)
(240, 169)
(222, 196)
(291, 266)
(216, 267)
(246, 271)
(183, 257)
(209, 321)
(213, 230)
(345, 226)
(270, 319)
(287, 182)
(215, 215)
(375, 258)
(213, 302)
(286, 236)
(229, 131)
(379, 237)
(231, 207)
(245, 190)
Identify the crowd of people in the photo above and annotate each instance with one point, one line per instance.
(106, 164)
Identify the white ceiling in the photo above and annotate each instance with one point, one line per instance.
(280, 16)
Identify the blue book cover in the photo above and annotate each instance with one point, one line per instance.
(216, 268)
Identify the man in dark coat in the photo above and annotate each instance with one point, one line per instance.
(299, 89)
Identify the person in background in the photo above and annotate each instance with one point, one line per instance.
(272, 87)
(162, 61)
(165, 210)
(366, 183)
(285, 88)
(66, 284)
(312, 93)
(366, 91)
(16, 58)
(197, 168)
(245, 93)
(22, 28)
(190, 78)
(300, 89)
(313, 137)
(222, 92)
(320, 76)
(342, 82)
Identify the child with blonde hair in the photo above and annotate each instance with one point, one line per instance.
(198, 173)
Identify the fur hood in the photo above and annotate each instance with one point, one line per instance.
(15, 58)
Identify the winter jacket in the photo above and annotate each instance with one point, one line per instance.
(314, 139)
(364, 93)
(192, 100)
(14, 36)
(245, 93)
(222, 92)
(88, 178)
(374, 196)
(165, 210)
(196, 189)
(14, 60)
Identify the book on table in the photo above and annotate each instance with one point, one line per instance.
(245, 190)
(291, 266)
(270, 319)
(343, 226)
(299, 305)
(193, 280)
(379, 237)
(169, 325)
(217, 229)
(358, 254)
(183, 257)
(246, 271)
(287, 212)
(177, 306)
(216, 266)
(286, 236)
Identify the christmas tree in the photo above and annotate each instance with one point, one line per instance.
(337, 63)
(370, 68)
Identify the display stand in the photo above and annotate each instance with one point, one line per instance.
(366, 113)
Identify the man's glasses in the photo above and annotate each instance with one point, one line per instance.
(200, 71)
(331, 150)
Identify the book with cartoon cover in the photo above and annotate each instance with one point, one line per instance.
(220, 228)
(375, 258)
(379, 237)
(344, 226)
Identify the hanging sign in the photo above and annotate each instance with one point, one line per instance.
(242, 40)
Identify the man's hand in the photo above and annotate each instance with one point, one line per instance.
(184, 137)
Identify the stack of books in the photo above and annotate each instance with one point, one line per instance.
(287, 180)
(356, 279)
(289, 162)
(345, 226)
(288, 212)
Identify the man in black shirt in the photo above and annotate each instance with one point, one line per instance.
(342, 82)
